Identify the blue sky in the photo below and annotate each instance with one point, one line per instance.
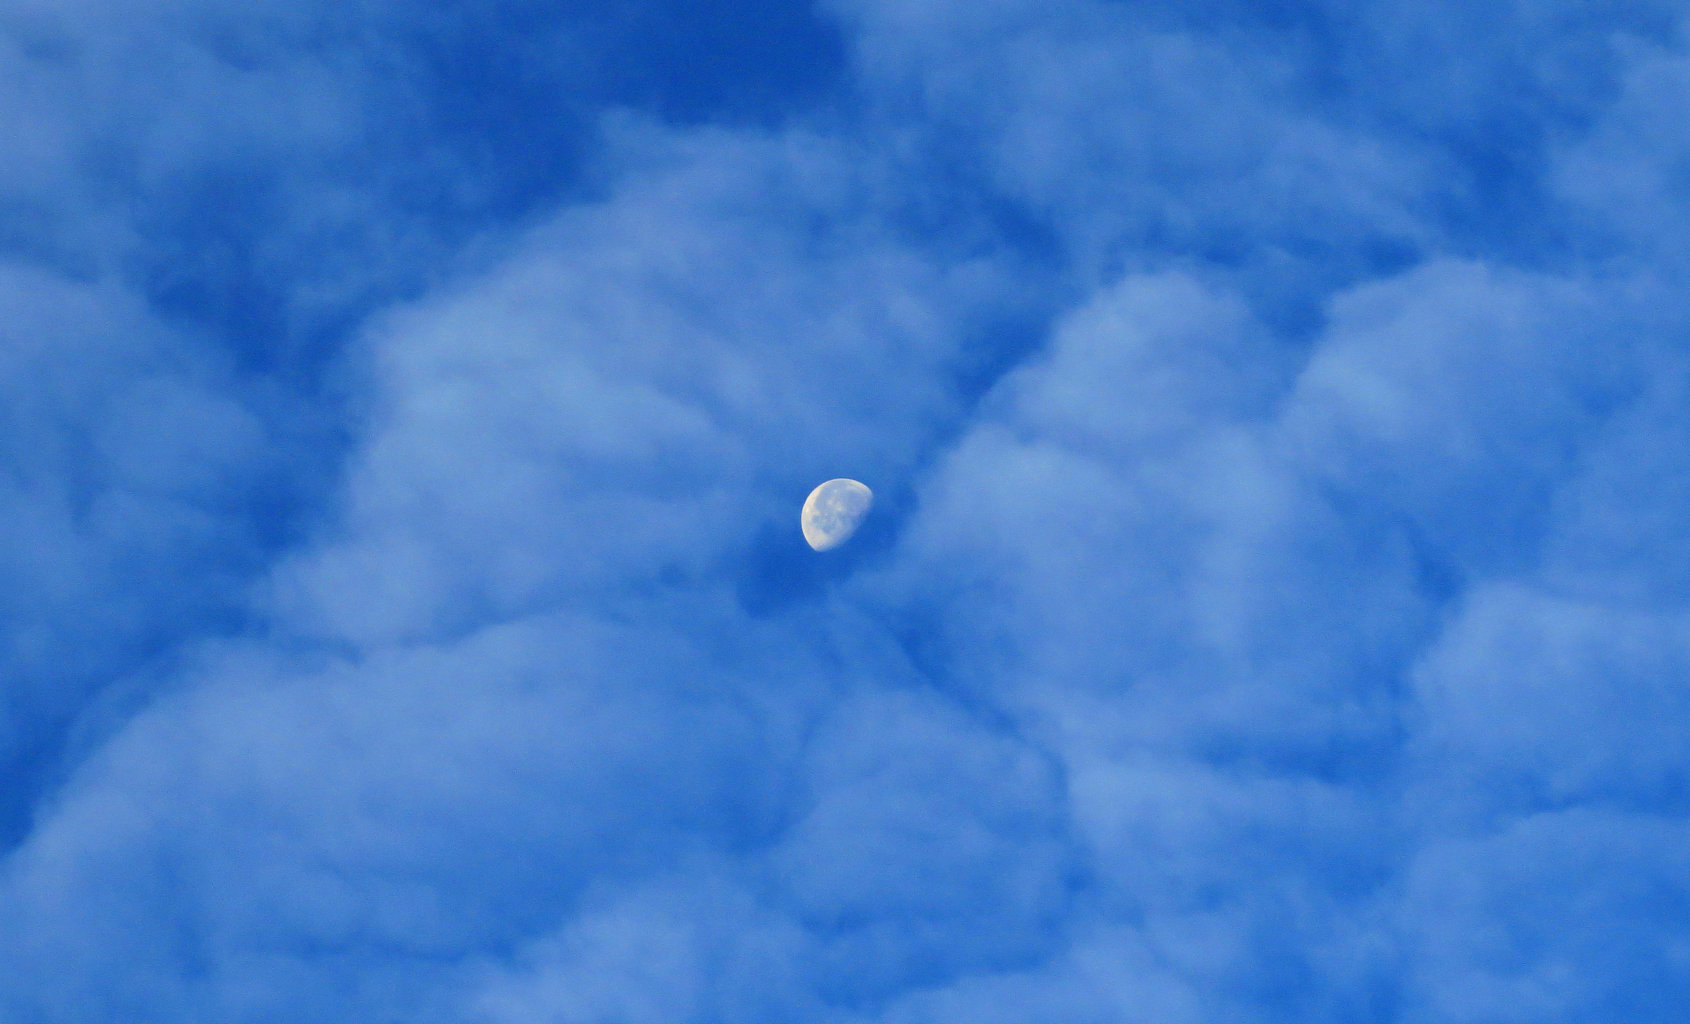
(1275, 607)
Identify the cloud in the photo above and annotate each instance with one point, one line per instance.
(681, 948)
(1578, 914)
(642, 385)
(1282, 643)
(134, 475)
(1547, 702)
(1272, 612)
(554, 472)
(1621, 174)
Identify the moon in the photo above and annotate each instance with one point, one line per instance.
(833, 511)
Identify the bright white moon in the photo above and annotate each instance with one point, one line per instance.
(833, 511)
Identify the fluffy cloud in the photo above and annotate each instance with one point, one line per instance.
(563, 463)
(1272, 612)
(136, 476)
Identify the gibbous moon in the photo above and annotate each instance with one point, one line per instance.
(833, 511)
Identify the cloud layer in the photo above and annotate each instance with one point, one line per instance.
(1274, 607)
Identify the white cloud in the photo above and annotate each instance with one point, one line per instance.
(1211, 667)
(130, 462)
